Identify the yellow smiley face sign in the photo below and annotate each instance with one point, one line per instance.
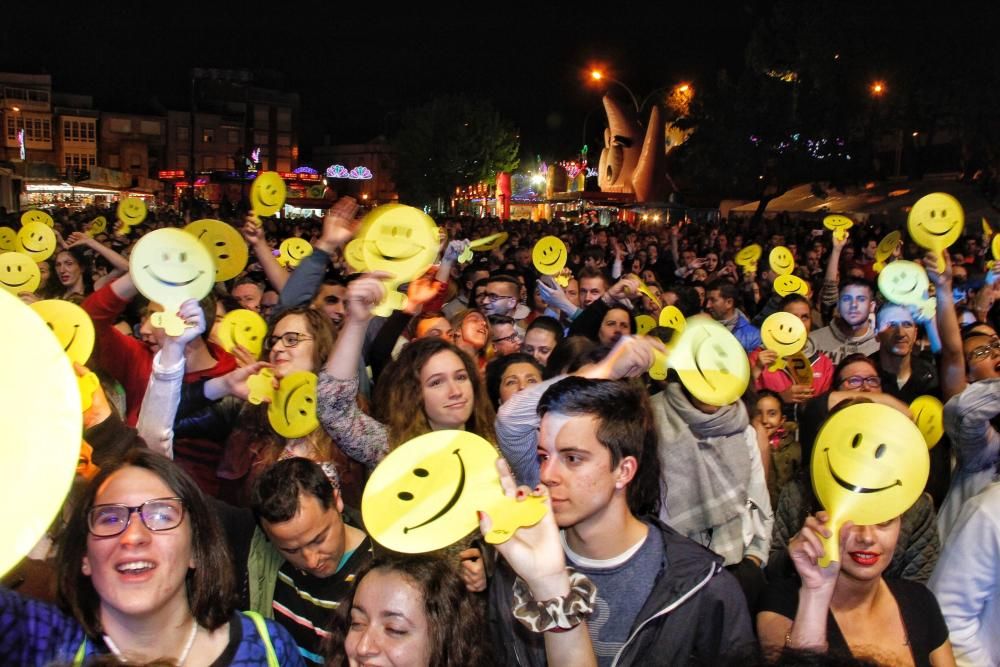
(292, 413)
(245, 328)
(928, 415)
(869, 465)
(748, 257)
(904, 283)
(789, 284)
(549, 255)
(783, 333)
(41, 443)
(838, 224)
(643, 324)
(355, 255)
(8, 240)
(34, 215)
(224, 244)
(425, 494)
(885, 249)
(671, 317)
(131, 212)
(18, 273)
(170, 266)
(710, 362)
(400, 240)
(71, 325)
(36, 240)
(935, 222)
(267, 195)
(781, 260)
(995, 247)
(97, 226)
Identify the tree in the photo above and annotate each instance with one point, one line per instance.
(449, 142)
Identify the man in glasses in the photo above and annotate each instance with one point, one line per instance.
(502, 295)
(504, 335)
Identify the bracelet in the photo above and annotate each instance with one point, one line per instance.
(558, 614)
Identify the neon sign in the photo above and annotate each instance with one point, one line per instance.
(359, 173)
(20, 142)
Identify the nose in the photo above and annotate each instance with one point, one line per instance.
(313, 559)
(454, 389)
(367, 645)
(864, 535)
(548, 473)
(136, 532)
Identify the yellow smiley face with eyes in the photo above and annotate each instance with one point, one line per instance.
(355, 255)
(783, 333)
(293, 251)
(789, 284)
(267, 195)
(425, 494)
(400, 240)
(671, 317)
(243, 327)
(928, 415)
(36, 240)
(224, 244)
(643, 323)
(781, 260)
(97, 226)
(835, 222)
(71, 325)
(18, 273)
(8, 240)
(869, 465)
(748, 256)
(34, 215)
(904, 283)
(936, 221)
(549, 255)
(710, 362)
(292, 412)
(170, 266)
(131, 211)
(885, 249)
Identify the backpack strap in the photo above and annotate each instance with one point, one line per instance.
(258, 620)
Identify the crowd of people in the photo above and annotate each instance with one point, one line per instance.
(678, 532)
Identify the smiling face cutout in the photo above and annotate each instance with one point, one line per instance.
(783, 333)
(885, 249)
(748, 257)
(904, 283)
(71, 325)
(243, 327)
(267, 194)
(293, 251)
(671, 317)
(838, 224)
(131, 211)
(97, 226)
(781, 260)
(400, 240)
(789, 284)
(425, 494)
(34, 215)
(549, 255)
(936, 221)
(710, 362)
(292, 412)
(224, 244)
(18, 273)
(869, 465)
(170, 266)
(36, 240)
(928, 415)
(8, 240)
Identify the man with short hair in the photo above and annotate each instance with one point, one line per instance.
(502, 295)
(248, 294)
(593, 284)
(720, 301)
(463, 300)
(504, 335)
(852, 331)
(329, 300)
(268, 301)
(296, 552)
(660, 597)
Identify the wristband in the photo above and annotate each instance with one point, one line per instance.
(558, 614)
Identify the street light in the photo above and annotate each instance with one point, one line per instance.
(878, 88)
(598, 75)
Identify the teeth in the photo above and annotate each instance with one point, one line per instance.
(136, 566)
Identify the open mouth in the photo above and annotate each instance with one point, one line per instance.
(851, 487)
(451, 502)
(170, 282)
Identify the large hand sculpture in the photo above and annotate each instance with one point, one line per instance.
(627, 166)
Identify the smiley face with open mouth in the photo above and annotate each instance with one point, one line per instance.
(869, 465)
(425, 494)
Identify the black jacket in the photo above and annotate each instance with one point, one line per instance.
(695, 615)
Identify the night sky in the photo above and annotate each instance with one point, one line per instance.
(358, 65)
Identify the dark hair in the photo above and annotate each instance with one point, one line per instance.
(588, 272)
(566, 354)
(793, 298)
(456, 620)
(687, 299)
(211, 586)
(625, 427)
(848, 360)
(505, 277)
(320, 328)
(414, 324)
(274, 496)
(727, 290)
(498, 366)
(854, 281)
(547, 323)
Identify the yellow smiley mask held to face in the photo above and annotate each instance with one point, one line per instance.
(935, 222)
(224, 244)
(75, 332)
(293, 250)
(710, 362)
(245, 328)
(36, 478)
(781, 260)
(784, 334)
(869, 465)
(267, 194)
(905, 283)
(400, 240)
(425, 494)
(18, 273)
(170, 266)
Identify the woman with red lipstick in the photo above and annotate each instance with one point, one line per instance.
(847, 607)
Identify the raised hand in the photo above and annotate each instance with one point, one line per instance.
(805, 550)
(339, 225)
(363, 295)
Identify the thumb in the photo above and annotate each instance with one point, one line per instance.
(485, 523)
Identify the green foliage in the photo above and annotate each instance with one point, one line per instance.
(449, 142)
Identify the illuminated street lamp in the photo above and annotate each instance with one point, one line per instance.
(598, 75)
(878, 88)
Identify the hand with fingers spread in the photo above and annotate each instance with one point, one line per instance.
(339, 225)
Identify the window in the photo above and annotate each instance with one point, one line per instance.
(285, 120)
(208, 162)
(261, 115)
(75, 130)
(91, 160)
(260, 138)
(47, 129)
(121, 125)
(207, 136)
(38, 96)
(135, 161)
(149, 127)
(91, 131)
(66, 128)
(11, 129)
(284, 140)
(15, 93)
(182, 161)
(233, 136)
(182, 134)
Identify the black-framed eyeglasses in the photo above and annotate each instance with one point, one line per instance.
(288, 339)
(491, 297)
(984, 351)
(856, 381)
(513, 338)
(157, 515)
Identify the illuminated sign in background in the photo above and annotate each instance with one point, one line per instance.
(340, 171)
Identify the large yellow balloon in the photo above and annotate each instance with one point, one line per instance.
(267, 194)
(869, 465)
(224, 244)
(710, 362)
(42, 424)
(935, 222)
(425, 494)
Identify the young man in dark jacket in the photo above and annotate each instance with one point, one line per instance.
(661, 598)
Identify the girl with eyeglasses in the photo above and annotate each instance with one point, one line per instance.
(143, 574)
